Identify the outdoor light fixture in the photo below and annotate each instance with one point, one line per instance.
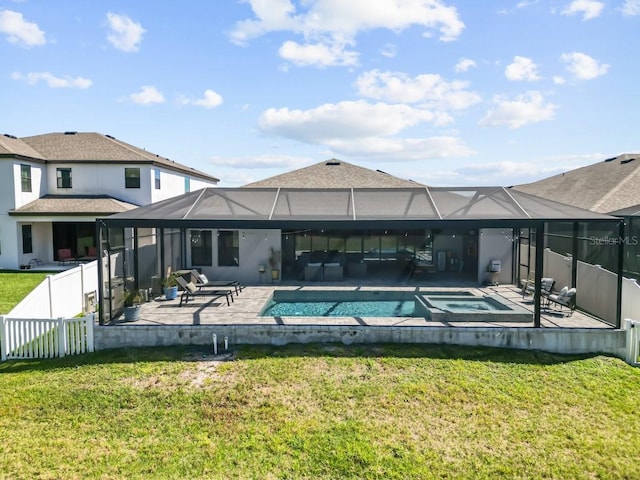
(243, 235)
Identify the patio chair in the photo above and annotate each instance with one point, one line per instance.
(189, 290)
(332, 272)
(313, 272)
(565, 298)
(65, 256)
(546, 287)
(201, 281)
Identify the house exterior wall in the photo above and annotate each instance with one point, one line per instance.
(495, 244)
(38, 183)
(254, 249)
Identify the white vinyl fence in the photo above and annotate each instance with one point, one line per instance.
(65, 294)
(29, 338)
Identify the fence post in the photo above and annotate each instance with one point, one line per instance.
(50, 285)
(90, 319)
(631, 350)
(62, 337)
(3, 339)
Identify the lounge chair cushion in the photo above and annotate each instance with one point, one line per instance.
(190, 287)
(332, 264)
(314, 264)
(203, 278)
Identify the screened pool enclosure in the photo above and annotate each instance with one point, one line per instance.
(392, 235)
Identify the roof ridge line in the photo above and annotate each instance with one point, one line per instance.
(609, 194)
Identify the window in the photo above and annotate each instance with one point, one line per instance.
(156, 174)
(187, 184)
(132, 178)
(27, 239)
(201, 247)
(228, 249)
(63, 176)
(25, 176)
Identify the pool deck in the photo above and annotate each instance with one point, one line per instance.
(247, 305)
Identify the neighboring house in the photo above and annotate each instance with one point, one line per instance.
(603, 187)
(57, 184)
(334, 173)
(611, 186)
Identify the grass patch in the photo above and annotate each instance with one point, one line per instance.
(14, 286)
(320, 411)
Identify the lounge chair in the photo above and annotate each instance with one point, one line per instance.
(65, 256)
(201, 280)
(189, 290)
(565, 298)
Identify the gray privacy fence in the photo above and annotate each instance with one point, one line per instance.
(596, 287)
(28, 338)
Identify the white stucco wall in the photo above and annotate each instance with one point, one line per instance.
(495, 244)
(254, 248)
(173, 184)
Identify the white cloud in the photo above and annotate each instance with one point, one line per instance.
(558, 80)
(582, 66)
(398, 149)
(522, 68)
(147, 95)
(346, 19)
(318, 54)
(52, 81)
(431, 90)
(262, 161)
(589, 9)
(19, 31)
(631, 8)
(125, 34)
(210, 100)
(524, 109)
(389, 51)
(328, 25)
(344, 120)
(464, 64)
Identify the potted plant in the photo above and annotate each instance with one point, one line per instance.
(132, 301)
(274, 263)
(170, 287)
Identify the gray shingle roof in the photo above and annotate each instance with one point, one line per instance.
(603, 187)
(333, 174)
(10, 145)
(74, 205)
(95, 147)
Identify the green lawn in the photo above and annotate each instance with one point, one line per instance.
(320, 411)
(14, 286)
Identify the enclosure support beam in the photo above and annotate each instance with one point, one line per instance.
(539, 266)
(621, 246)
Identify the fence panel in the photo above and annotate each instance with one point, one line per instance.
(28, 338)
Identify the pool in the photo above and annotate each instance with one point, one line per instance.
(432, 305)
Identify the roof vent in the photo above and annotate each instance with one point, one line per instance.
(70, 133)
(332, 163)
(109, 136)
(10, 136)
(628, 160)
(380, 171)
(610, 159)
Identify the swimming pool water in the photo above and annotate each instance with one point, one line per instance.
(382, 308)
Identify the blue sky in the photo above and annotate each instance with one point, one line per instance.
(442, 92)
